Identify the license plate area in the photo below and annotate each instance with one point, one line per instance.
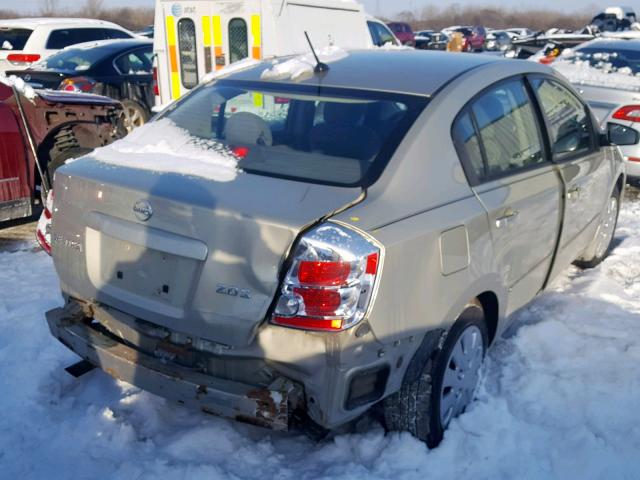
(123, 269)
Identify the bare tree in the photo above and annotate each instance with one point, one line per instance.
(93, 8)
(49, 8)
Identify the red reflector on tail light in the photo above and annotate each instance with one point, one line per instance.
(319, 302)
(372, 264)
(630, 113)
(23, 57)
(307, 323)
(46, 246)
(323, 273)
(77, 84)
(156, 90)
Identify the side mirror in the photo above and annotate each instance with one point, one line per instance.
(620, 135)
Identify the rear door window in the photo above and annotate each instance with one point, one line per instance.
(135, 63)
(567, 119)
(188, 53)
(467, 143)
(499, 127)
(62, 38)
(14, 38)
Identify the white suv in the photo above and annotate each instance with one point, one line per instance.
(27, 40)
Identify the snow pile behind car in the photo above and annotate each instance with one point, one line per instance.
(595, 69)
(162, 146)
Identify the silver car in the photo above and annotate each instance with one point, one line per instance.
(385, 218)
(611, 90)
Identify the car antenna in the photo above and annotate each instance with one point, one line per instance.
(320, 67)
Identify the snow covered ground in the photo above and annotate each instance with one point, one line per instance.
(561, 399)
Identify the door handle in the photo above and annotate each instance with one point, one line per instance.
(574, 193)
(507, 219)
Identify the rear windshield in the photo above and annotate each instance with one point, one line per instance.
(59, 39)
(14, 38)
(74, 59)
(318, 135)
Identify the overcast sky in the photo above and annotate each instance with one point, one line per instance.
(375, 7)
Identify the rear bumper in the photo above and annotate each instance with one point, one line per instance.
(266, 407)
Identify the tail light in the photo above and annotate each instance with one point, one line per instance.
(156, 90)
(20, 58)
(77, 84)
(331, 282)
(43, 230)
(630, 113)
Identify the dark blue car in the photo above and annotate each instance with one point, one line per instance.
(121, 69)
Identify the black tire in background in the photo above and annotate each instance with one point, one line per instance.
(415, 408)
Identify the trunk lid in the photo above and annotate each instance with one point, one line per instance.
(40, 78)
(198, 256)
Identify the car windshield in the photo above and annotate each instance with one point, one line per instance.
(610, 60)
(74, 59)
(14, 38)
(319, 135)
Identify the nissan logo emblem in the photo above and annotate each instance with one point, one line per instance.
(143, 211)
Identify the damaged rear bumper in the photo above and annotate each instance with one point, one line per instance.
(266, 407)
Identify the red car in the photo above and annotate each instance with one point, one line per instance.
(403, 32)
(39, 132)
(474, 37)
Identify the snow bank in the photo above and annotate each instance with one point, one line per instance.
(302, 66)
(580, 71)
(559, 400)
(20, 85)
(161, 146)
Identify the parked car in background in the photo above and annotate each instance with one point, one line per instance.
(474, 37)
(614, 19)
(498, 40)
(604, 73)
(60, 125)
(403, 32)
(355, 238)
(25, 41)
(520, 32)
(381, 35)
(120, 69)
(430, 40)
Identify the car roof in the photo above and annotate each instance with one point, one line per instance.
(413, 72)
(612, 43)
(114, 44)
(56, 22)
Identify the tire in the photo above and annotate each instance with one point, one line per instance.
(415, 408)
(65, 146)
(602, 242)
(135, 115)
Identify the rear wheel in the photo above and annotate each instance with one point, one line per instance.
(446, 383)
(602, 243)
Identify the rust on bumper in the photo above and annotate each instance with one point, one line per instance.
(266, 407)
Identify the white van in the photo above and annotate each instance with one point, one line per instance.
(194, 37)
